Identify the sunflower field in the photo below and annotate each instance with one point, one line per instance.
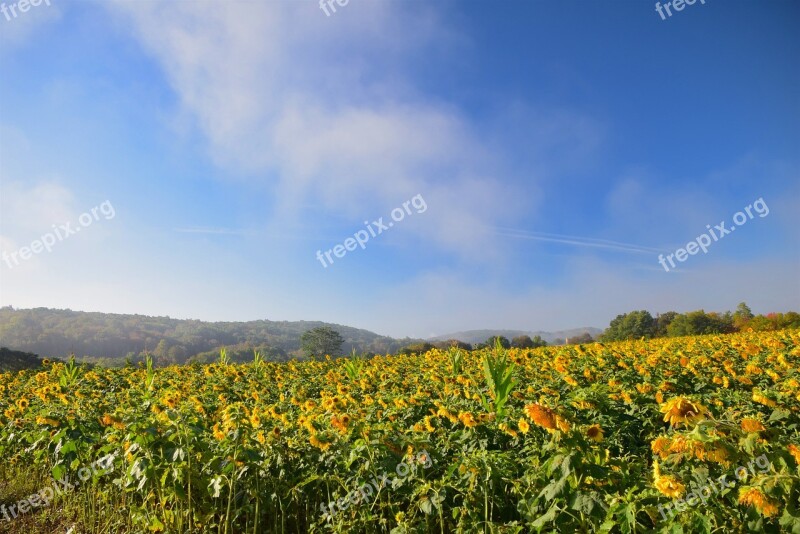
(696, 434)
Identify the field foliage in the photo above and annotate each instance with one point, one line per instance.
(587, 438)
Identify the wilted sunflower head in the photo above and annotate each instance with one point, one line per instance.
(682, 411)
(754, 497)
(752, 425)
(541, 415)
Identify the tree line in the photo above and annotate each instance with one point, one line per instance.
(641, 324)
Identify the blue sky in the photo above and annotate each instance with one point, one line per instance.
(559, 148)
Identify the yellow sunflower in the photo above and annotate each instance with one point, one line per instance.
(595, 433)
(752, 425)
(541, 415)
(682, 411)
(763, 504)
(667, 484)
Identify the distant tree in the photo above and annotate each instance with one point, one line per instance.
(662, 322)
(452, 343)
(492, 341)
(416, 348)
(633, 325)
(742, 316)
(790, 320)
(586, 337)
(699, 323)
(162, 350)
(321, 341)
(538, 341)
(525, 342)
(774, 321)
(455, 343)
(177, 354)
(522, 342)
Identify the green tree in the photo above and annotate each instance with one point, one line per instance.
(662, 323)
(416, 348)
(522, 342)
(698, 323)
(633, 325)
(742, 316)
(452, 343)
(586, 337)
(321, 341)
(492, 341)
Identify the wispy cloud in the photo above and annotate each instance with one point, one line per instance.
(212, 231)
(574, 240)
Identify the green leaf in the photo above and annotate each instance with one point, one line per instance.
(426, 506)
(553, 489)
(547, 517)
(58, 471)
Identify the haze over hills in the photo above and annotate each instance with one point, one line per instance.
(479, 336)
(109, 337)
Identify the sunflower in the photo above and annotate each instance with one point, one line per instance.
(595, 433)
(523, 425)
(428, 424)
(661, 446)
(667, 484)
(340, 423)
(761, 399)
(754, 497)
(680, 410)
(22, 404)
(541, 415)
(255, 420)
(750, 425)
(46, 421)
(507, 429)
(562, 424)
(316, 442)
(467, 419)
(794, 450)
(171, 401)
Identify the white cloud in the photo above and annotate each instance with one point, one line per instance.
(320, 108)
(35, 207)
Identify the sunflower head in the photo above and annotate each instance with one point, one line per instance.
(523, 425)
(755, 498)
(683, 411)
(750, 425)
(541, 415)
(595, 433)
(670, 486)
(794, 450)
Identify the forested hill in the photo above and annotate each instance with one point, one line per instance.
(12, 360)
(106, 337)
